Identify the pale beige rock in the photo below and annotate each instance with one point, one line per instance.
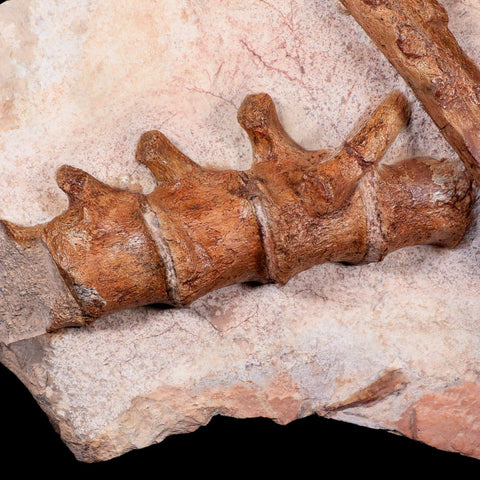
(80, 81)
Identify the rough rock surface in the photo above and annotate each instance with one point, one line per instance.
(393, 345)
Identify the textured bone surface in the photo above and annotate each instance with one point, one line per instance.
(392, 345)
(202, 229)
(416, 40)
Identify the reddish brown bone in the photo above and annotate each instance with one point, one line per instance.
(414, 36)
(202, 229)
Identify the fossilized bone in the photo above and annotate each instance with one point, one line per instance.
(415, 38)
(201, 229)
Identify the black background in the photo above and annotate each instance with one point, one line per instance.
(311, 446)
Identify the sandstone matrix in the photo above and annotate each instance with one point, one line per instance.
(391, 345)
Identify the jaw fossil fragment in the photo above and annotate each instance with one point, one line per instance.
(202, 229)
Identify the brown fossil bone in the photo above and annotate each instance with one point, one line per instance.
(415, 38)
(201, 229)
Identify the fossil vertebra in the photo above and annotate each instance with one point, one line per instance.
(201, 229)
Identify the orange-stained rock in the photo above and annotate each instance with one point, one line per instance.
(448, 420)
